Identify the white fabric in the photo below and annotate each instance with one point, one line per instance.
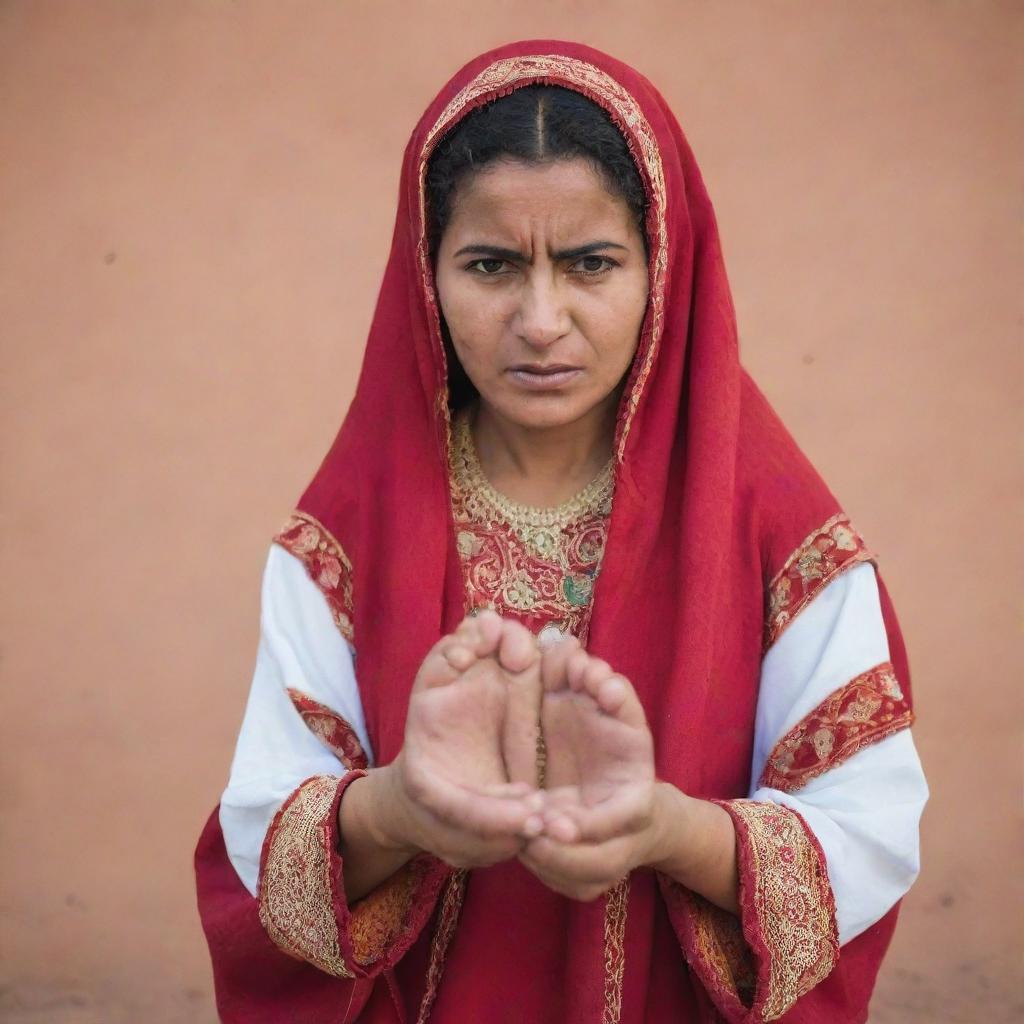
(864, 812)
(299, 647)
(839, 635)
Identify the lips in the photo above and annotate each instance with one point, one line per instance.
(537, 377)
(543, 370)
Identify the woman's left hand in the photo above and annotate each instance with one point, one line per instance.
(601, 809)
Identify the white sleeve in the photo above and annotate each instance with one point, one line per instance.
(300, 647)
(864, 811)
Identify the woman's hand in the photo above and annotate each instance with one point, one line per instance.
(605, 814)
(461, 787)
(599, 815)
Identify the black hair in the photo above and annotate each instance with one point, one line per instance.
(534, 124)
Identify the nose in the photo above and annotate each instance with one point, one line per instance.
(543, 313)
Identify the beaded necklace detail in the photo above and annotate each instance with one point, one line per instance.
(537, 565)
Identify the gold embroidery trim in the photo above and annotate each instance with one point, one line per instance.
(863, 711)
(330, 728)
(378, 918)
(500, 78)
(325, 561)
(486, 504)
(444, 932)
(296, 895)
(826, 552)
(615, 910)
(792, 901)
(718, 937)
(538, 565)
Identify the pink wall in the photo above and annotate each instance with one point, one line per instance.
(198, 198)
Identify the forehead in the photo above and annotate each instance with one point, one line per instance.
(563, 195)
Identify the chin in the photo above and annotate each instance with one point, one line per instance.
(542, 413)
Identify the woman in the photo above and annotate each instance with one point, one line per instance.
(717, 815)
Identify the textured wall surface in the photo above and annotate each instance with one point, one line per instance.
(197, 201)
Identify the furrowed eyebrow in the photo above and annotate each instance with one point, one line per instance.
(488, 252)
(498, 253)
(586, 250)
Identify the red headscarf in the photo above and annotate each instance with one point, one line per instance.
(711, 498)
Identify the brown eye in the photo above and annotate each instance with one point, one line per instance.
(593, 266)
(489, 267)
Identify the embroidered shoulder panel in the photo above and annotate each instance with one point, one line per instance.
(535, 565)
(867, 709)
(786, 901)
(296, 891)
(325, 561)
(331, 729)
(831, 549)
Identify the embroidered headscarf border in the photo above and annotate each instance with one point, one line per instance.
(501, 78)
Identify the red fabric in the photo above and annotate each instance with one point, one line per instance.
(712, 496)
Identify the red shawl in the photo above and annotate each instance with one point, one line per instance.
(715, 515)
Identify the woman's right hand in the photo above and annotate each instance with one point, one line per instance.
(470, 729)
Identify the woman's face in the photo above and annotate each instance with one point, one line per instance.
(542, 280)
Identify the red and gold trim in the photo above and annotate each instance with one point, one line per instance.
(381, 916)
(714, 945)
(296, 890)
(615, 909)
(864, 711)
(301, 896)
(831, 549)
(536, 565)
(786, 903)
(444, 932)
(325, 561)
(501, 78)
(331, 729)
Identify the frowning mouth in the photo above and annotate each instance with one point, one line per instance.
(537, 377)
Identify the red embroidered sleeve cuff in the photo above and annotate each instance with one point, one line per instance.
(302, 902)
(784, 942)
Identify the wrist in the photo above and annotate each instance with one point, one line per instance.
(382, 810)
(669, 831)
(696, 846)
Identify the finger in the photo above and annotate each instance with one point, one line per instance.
(618, 816)
(468, 631)
(596, 672)
(489, 632)
(507, 789)
(616, 696)
(488, 817)
(436, 670)
(559, 797)
(518, 650)
(562, 886)
(576, 864)
(561, 828)
(460, 657)
(575, 669)
(553, 663)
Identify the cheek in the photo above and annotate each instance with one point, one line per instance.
(473, 325)
(623, 318)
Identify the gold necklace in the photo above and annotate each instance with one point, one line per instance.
(539, 528)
